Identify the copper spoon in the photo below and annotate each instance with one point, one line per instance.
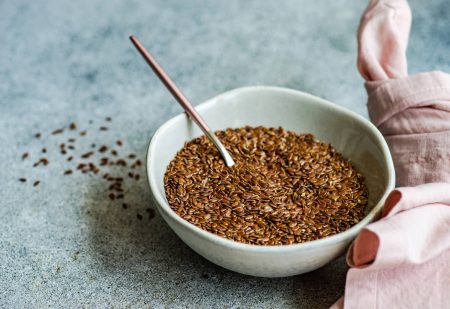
(184, 102)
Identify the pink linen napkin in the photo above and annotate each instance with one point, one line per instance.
(403, 260)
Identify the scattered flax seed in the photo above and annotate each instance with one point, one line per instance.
(138, 162)
(43, 161)
(285, 187)
(121, 162)
(93, 168)
(87, 155)
(137, 176)
(116, 184)
(58, 131)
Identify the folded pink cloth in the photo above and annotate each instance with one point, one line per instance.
(403, 260)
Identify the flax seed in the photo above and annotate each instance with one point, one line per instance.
(285, 188)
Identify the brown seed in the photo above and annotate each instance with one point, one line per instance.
(108, 119)
(103, 148)
(112, 196)
(103, 128)
(121, 162)
(83, 133)
(22, 179)
(38, 135)
(43, 161)
(58, 131)
(139, 216)
(285, 188)
(119, 142)
(137, 176)
(131, 175)
(25, 155)
(36, 183)
(71, 147)
(131, 156)
(70, 158)
(87, 155)
(71, 140)
(114, 153)
(73, 126)
(44, 150)
(124, 206)
(67, 172)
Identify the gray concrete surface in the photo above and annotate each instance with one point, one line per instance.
(63, 243)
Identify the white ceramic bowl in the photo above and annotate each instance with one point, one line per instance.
(352, 135)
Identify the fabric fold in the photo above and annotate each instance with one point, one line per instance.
(403, 259)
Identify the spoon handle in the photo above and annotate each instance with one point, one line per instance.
(184, 102)
(170, 85)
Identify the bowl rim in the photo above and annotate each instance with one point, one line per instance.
(164, 206)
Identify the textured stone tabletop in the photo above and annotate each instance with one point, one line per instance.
(64, 243)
